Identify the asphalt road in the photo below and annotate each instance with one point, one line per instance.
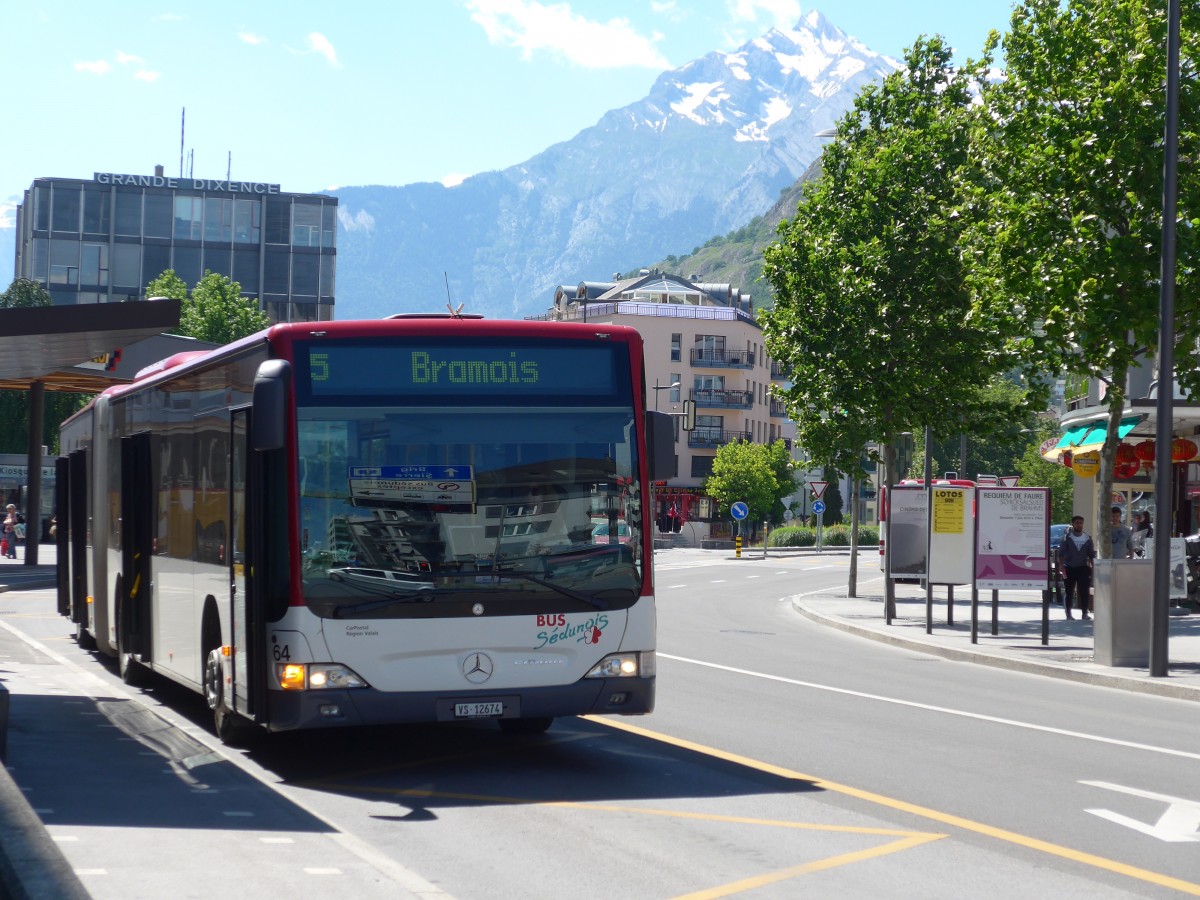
(784, 760)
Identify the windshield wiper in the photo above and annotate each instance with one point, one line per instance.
(421, 596)
(565, 591)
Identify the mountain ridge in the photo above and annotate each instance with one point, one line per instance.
(711, 146)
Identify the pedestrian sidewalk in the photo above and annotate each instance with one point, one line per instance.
(17, 575)
(1017, 645)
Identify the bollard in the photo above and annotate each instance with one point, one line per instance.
(737, 547)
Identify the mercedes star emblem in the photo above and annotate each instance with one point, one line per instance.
(477, 668)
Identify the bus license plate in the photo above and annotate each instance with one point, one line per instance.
(489, 710)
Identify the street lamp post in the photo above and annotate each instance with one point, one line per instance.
(665, 387)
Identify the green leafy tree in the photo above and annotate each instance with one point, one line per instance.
(216, 311)
(873, 321)
(758, 474)
(1037, 472)
(169, 285)
(25, 293)
(1008, 438)
(1070, 151)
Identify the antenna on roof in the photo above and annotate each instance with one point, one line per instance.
(454, 313)
(182, 120)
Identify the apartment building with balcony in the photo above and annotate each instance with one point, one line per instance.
(702, 343)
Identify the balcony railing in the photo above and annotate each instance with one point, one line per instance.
(715, 437)
(778, 409)
(777, 371)
(714, 399)
(723, 359)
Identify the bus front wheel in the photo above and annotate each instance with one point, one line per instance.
(231, 728)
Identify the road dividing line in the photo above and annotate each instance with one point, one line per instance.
(979, 717)
(1000, 834)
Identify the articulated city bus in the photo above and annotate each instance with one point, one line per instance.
(342, 523)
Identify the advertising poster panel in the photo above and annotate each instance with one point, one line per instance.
(953, 534)
(1012, 547)
(908, 533)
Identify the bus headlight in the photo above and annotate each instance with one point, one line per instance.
(317, 677)
(624, 665)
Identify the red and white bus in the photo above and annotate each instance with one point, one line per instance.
(343, 523)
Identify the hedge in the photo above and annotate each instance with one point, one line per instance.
(833, 536)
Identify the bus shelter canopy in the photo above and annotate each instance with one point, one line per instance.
(48, 343)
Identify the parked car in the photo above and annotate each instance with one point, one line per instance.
(385, 580)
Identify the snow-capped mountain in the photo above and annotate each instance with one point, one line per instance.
(709, 148)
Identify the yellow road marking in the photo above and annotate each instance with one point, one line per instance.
(820, 865)
(1001, 834)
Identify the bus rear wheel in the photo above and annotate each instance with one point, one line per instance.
(526, 726)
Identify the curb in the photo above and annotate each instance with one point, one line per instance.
(1157, 687)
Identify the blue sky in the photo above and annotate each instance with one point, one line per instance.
(316, 95)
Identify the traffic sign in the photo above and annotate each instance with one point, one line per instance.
(1009, 480)
(818, 506)
(818, 488)
(739, 510)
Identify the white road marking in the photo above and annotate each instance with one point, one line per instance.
(937, 709)
(1179, 824)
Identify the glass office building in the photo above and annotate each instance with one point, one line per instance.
(103, 240)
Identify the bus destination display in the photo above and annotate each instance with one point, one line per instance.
(459, 369)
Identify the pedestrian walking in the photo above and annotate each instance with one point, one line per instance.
(1075, 563)
(9, 531)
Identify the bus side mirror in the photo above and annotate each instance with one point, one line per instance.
(268, 424)
(689, 415)
(660, 445)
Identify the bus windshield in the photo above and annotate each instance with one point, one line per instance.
(427, 511)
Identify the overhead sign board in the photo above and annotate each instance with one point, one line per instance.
(411, 484)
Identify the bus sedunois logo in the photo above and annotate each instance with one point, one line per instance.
(477, 668)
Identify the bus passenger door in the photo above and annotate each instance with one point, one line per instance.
(137, 546)
(241, 564)
(79, 535)
(62, 529)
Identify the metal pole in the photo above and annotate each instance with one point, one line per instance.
(1160, 616)
(33, 514)
(928, 534)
